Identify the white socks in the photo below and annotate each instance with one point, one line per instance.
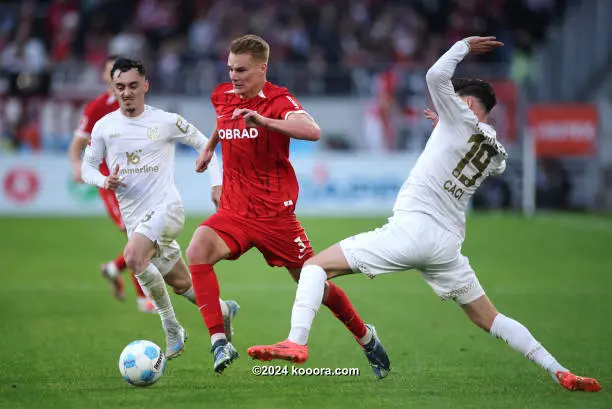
(308, 298)
(520, 339)
(216, 337)
(154, 287)
(190, 295)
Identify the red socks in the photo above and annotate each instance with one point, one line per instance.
(206, 288)
(341, 306)
(120, 263)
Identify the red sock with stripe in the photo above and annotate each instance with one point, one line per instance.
(206, 288)
(341, 306)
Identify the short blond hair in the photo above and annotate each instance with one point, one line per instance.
(251, 44)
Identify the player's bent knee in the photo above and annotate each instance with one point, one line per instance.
(315, 261)
(206, 247)
(134, 262)
(200, 253)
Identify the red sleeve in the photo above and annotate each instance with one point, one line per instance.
(284, 104)
(90, 116)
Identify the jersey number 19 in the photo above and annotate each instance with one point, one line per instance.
(479, 155)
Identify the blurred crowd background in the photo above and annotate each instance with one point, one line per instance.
(321, 46)
(357, 65)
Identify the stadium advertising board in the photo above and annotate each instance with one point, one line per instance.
(563, 130)
(329, 185)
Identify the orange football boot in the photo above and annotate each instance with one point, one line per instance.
(577, 383)
(286, 350)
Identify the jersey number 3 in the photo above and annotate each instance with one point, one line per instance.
(479, 155)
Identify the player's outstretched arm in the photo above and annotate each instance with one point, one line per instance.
(296, 125)
(190, 135)
(448, 105)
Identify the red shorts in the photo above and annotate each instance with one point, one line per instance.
(282, 240)
(112, 206)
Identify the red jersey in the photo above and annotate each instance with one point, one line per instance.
(95, 109)
(258, 179)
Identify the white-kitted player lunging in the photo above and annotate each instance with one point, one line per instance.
(138, 143)
(427, 229)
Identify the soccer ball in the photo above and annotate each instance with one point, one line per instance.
(142, 363)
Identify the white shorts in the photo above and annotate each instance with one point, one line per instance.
(416, 241)
(162, 225)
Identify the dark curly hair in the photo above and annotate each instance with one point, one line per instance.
(126, 64)
(476, 88)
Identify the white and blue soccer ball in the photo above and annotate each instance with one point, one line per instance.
(142, 363)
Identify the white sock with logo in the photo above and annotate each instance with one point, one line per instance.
(520, 339)
(154, 286)
(308, 298)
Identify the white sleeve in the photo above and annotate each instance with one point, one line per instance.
(449, 106)
(190, 135)
(499, 166)
(214, 172)
(94, 154)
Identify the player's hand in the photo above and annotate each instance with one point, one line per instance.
(480, 45)
(215, 194)
(113, 181)
(203, 160)
(76, 173)
(431, 114)
(251, 118)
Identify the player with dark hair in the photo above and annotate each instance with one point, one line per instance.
(103, 104)
(138, 143)
(427, 229)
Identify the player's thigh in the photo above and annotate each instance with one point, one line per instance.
(112, 207)
(282, 241)
(481, 312)
(161, 224)
(331, 260)
(221, 236)
(397, 246)
(179, 276)
(138, 252)
(453, 280)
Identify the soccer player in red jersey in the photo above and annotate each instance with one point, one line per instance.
(255, 123)
(102, 105)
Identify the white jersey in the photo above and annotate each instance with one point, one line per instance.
(143, 147)
(458, 156)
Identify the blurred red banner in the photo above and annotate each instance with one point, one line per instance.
(563, 130)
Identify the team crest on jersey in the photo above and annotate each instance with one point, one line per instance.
(153, 134)
(182, 124)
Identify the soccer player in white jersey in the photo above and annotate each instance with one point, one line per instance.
(428, 224)
(138, 142)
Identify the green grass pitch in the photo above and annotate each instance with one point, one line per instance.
(62, 332)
